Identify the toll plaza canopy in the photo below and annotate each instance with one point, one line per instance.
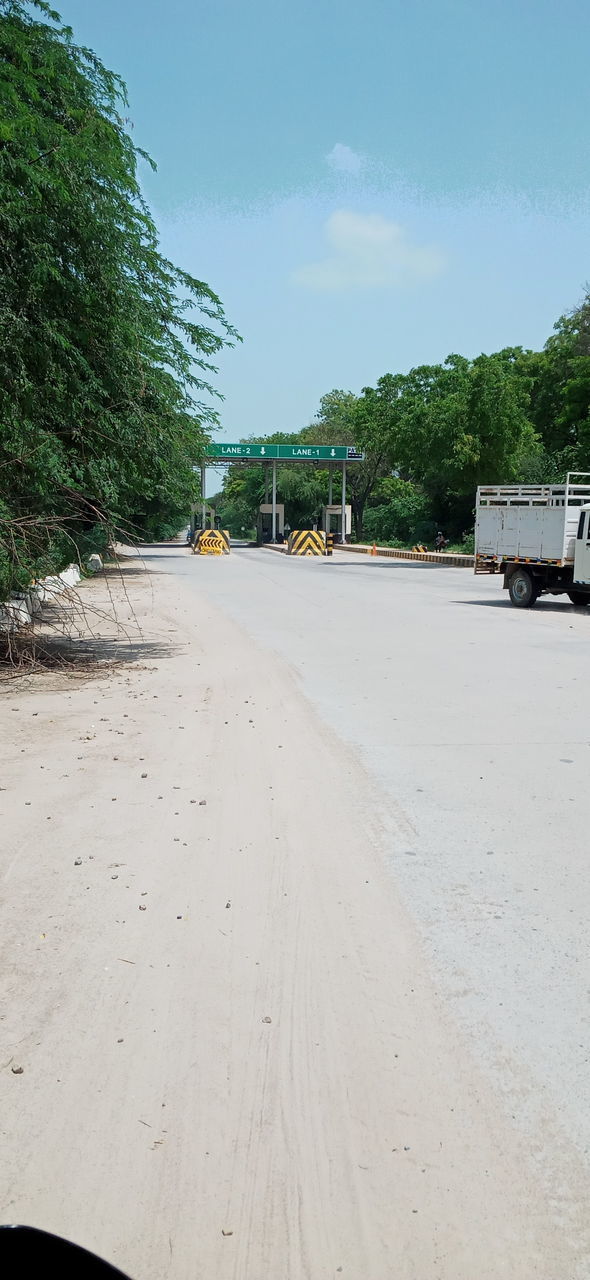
(285, 452)
(216, 455)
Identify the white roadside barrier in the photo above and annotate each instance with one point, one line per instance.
(25, 606)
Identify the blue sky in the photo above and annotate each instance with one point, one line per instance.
(368, 186)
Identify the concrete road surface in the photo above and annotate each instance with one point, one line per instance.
(474, 720)
(315, 999)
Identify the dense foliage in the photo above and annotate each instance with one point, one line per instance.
(433, 434)
(105, 346)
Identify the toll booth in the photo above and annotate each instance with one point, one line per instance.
(331, 521)
(203, 517)
(264, 523)
(206, 517)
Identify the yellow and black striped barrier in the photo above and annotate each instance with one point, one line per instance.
(211, 542)
(306, 542)
(329, 544)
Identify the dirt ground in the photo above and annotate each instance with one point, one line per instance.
(222, 1053)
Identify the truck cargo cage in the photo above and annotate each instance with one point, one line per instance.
(570, 494)
(529, 523)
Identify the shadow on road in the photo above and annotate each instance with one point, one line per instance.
(171, 546)
(119, 650)
(148, 555)
(368, 562)
(544, 606)
(121, 572)
(88, 657)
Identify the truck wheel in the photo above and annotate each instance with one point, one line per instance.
(579, 597)
(523, 589)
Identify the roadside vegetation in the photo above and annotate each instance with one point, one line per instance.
(106, 347)
(107, 357)
(434, 434)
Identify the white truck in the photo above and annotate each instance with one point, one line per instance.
(538, 537)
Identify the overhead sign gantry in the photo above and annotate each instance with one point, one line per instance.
(220, 454)
(286, 452)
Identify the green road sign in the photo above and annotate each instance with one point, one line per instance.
(286, 452)
(229, 451)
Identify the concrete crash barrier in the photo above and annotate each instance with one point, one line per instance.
(211, 542)
(15, 613)
(398, 553)
(306, 542)
(24, 607)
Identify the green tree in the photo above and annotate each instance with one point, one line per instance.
(560, 393)
(234, 515)
(461, 424)
(105, 346)
(344, 418)
(399, 511)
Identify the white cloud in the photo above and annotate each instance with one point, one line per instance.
(368, 251)
(344, 159)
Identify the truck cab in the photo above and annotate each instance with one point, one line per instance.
(582, 552)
